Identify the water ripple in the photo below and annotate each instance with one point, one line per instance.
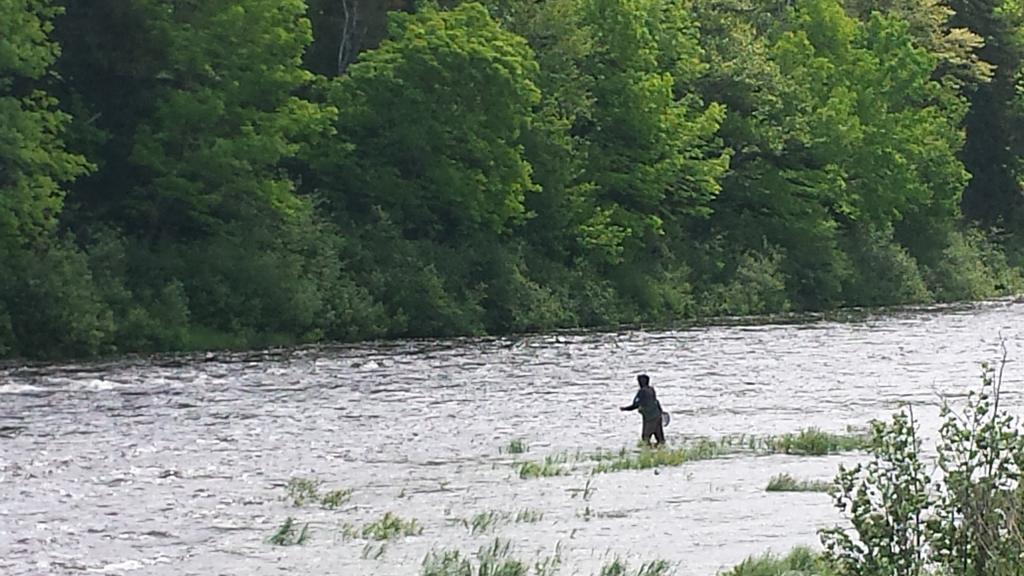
(176, 465)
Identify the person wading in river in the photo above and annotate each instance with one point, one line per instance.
(647, 402)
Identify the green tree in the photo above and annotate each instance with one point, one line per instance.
(433, 118)
(650, 143)
(47, 302)
(212, 149)
(34, 161)
(931, 25)
(195, 116)
(841, 126)
(994, 124)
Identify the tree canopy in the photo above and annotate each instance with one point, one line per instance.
(233, 173)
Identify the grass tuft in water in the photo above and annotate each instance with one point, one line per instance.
(527, 516)
(446, 563)
(517, 446)
(288, 535)
(814, 442)
(618, 567)
(799, 562)
(374, 550)
(391, 526)
(495, 559)
(807, 442)
(484, 521)
(302, 490)
(550, 466)
(549, 565)
(335, 498)
(787, 483)
(657, 457)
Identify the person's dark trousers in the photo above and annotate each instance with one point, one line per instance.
(653, 427)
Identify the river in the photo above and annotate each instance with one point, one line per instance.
(177, 465)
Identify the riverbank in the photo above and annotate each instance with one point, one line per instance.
(210, 343)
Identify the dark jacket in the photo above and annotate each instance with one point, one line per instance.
(647, 401)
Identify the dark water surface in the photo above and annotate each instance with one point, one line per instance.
(178, 466)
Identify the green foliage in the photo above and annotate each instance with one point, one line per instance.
(904, 520)
(883, 272)
(34, 161)
(884, 500)
(52, 306)
(48, 304)
(484, 521)
(434, 116)
(335, 498)
(528, 516)
(757, 285)
(646, 149)
(807, 442)
(973, 268)
(466, 168)
(212, 147)
(975, 527)
(994, 145)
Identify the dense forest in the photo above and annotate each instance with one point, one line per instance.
(187, 174)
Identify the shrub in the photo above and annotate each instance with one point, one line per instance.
(972, 267)
(757, 286)
(49, 305)
(884, 272)
(965, 521)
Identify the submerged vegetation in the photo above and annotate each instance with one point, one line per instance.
(495, 559)
(288, 534)
(807, 442)
(516, 446)
(498, 559)
(787, 483)
(657, 457)
(484, 521)
(390, 526)
(550, 466)
(488, 520)
(255, 173)
(618, 567)
(302, 491)
(335, 498)
(811, 442)
(799, 562)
